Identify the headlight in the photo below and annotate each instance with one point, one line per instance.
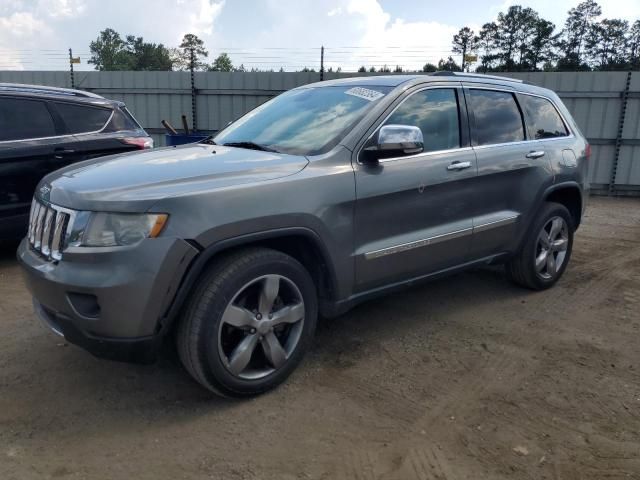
(119, 229)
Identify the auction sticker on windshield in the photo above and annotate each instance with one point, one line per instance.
(365, 93)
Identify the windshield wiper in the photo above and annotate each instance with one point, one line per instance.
(208, 140)
(250, 146)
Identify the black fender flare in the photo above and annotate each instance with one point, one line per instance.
(200, 261)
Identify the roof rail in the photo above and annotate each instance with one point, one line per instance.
(44, 89)
(446, 73)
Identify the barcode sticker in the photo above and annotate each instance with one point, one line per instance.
(365, 93)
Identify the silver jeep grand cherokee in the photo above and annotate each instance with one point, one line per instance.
(325, 196)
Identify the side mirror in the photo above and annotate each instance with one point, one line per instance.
(396, 141)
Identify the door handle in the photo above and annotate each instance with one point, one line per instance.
(535, 154)
(58, 153)
(459, 165)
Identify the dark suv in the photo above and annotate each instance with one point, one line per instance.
(325, 196)
(43, 129)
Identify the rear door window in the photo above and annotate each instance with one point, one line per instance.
(82, 118)
(543, 118)
(497, 117)
(122, 120)
(22, 119)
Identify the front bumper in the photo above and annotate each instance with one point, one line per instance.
(109, 300)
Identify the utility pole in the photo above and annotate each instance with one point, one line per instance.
(464, 55)
(193, 93)
(322, 63)
(73, 83)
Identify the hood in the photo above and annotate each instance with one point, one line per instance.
(114, 182)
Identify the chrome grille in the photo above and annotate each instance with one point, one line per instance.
(49, 227)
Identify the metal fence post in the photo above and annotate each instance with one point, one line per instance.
(73, 83)
(624, 100)
(194, 116)
(322, 63)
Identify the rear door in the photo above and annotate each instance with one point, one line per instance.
(28, 137)
(512, 169)
(414, 214)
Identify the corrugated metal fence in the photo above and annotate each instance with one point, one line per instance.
(606, 106)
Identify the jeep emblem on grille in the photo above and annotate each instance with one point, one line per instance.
(44, 190)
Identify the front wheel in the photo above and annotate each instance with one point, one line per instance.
(544, 256)
(249, 322)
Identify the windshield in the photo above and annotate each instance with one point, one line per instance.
(308, 121)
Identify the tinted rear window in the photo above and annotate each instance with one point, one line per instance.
(497, 117)
(544, 118)
(82, 118)
(23, 119)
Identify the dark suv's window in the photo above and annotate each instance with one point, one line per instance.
(544, 118)
(497, 117)
(82, 118)
(23, 119)
(435, 112)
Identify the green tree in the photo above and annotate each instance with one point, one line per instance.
(449, 65)
(429, 67)
(222, 63)
(606, 44)
(372, 69)
(182, 55)
(362, 69)
(541, 45)
(515, 28)
(577, 28)
(465, 42)
(111, 52)
(147, 56)
(488, 44)
(633, 45)
(108, 51)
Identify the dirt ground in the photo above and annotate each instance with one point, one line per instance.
(464, 378)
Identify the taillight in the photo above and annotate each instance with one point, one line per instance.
(139, 142)
(587, 151)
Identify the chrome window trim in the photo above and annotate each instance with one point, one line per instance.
(422, 89)
(66, 135)
(521, 142)
(403, 247)
(425, 154)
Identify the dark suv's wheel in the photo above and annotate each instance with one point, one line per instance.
(249, 322)
(545, 254)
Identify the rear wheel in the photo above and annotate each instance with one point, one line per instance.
(544, 256)
(249, 322)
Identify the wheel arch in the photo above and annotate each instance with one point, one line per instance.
(301, 243)
(568, 194)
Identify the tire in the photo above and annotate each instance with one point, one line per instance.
(230, 347)
(530, 267)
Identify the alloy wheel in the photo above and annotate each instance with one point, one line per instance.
(551, 248)
(261, 327)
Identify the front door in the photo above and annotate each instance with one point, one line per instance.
(414, 214)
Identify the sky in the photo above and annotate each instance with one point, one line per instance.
(36, 34)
